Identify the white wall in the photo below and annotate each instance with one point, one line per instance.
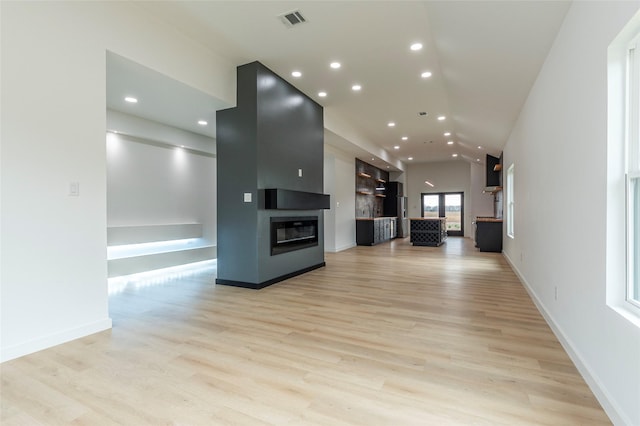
(158, 132)
(481, 204)
(559, 150)
(158, 185)
(54, 270)
(340, 184)
(448, 176)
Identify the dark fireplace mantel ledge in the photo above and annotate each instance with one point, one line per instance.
(286, 199)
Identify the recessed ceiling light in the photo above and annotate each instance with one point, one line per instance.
(388, 167)
(373, 159)
(454, 155)
(410, 158)
(131, 99)
(396, 147)
(479, 147)
(391, 124)
(416, 46)
(356, 87)
(322, 94)
(202, 122)
(441, 118)
(426, 74)
(335, 65)
(447, 133)
(296, 74)
(428, 183)
(449, 142)
(477, 159)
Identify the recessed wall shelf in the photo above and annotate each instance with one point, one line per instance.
(370, 189)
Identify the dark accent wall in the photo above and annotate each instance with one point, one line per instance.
(273, 132)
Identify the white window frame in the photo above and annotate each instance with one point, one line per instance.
(510, 202)
(632, 170)
(633, 238)
(623, 139)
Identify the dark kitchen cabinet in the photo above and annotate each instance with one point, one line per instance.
(489, 235)
(372, 231)
(493, 171)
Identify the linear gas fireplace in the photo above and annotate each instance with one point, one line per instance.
(293, 233)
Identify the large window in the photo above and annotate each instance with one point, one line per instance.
(623, 173)
(632, 172)
(510, 203)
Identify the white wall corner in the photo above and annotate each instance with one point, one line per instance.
(54, 339)
(611, 408)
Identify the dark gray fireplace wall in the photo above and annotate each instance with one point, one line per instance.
(274, 133)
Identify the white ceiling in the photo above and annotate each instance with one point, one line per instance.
(484, 56)
(160, 98)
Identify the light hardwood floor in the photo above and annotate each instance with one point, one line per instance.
(385, 335)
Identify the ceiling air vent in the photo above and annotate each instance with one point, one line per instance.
(292, 18)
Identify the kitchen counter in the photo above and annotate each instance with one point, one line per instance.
(488, 219)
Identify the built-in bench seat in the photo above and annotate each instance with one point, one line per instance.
(134, 249)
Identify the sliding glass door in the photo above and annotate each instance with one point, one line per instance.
(430, 205)
(446, 204)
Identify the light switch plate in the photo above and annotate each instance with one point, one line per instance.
(247, 197)
(74, 189)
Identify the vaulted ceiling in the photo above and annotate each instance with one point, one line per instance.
(483, 58)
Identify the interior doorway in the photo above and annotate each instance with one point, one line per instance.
(449, 205)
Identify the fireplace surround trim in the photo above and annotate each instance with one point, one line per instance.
(287, 199)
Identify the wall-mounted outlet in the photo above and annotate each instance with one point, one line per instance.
(299, 172)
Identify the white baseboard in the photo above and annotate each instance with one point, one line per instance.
(616, 415)
(45, 342)
(342, 248)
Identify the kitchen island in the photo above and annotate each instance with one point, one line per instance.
(428, 231)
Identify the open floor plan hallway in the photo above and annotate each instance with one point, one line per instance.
(385, 335)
